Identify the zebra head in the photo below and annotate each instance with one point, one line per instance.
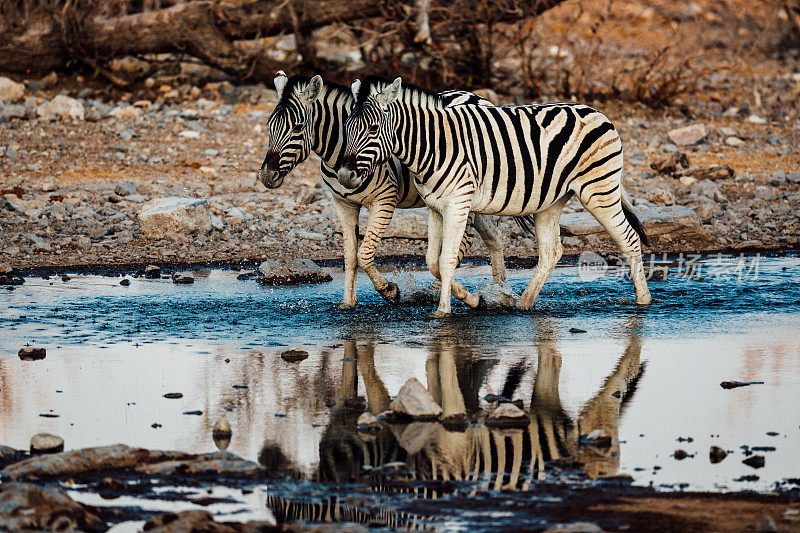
(290, 128)
(369, 134)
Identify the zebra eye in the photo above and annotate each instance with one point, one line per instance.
(298, 128)
(373, 129)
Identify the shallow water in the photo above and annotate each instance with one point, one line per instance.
(646, 377)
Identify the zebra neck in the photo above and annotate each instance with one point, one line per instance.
(412, 144)
(330, 112)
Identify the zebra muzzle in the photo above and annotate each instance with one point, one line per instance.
(348, 178)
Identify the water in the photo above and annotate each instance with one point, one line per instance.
(645, 377)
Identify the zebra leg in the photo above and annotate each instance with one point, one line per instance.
(434, 252)
(490, 233)
(603, 199)
(380, 215)
(454, 223)
(348, 220)
(548, 235)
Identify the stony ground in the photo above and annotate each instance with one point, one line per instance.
(72, 189)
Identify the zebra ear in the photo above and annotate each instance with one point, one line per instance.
(313, 89)
(390, 93)
(355, 87)
(280, 82)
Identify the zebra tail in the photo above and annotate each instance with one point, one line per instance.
(633, 220)
(526, 224)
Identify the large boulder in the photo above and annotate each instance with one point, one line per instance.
(174, 214)
(414, 401)
(61, 107)
(10, 91)
(290, 272)
(658, 220)
(25, 507)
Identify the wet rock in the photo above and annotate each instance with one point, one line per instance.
(507, 415)
(577, 330)
(368, 423)
(173, 395)
(174, 214)
(687, 135)
(59, 108)
(290, 272)
(7, 279)
(217, 464)
(46, 443)
(577, 527)
(716, 454)
(26, 507)
(10, 91)
(199, 520)
(415, 402)
(125, 282)
(29, 353)
(755, 461)
(9, 455)
(182, 279)
(126, 188)
(294, 356)
(152, 272)
(657, 220)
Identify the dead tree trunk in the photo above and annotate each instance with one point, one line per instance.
(207, 30)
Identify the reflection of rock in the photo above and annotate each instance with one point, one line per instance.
(413, 437)
(31, 508)
(46, 443)
(294, 356)
(29, 353)
(416, 402)
(716, 454)
(507, 415)
(368, 423)
(755, 461)
(222, 433)
(290, 272)
(199, 520)
(90, 462)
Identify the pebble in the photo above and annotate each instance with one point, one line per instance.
(32, 354)
(734, 141)
(46, 443)
(687, 135)
(173, 395)
(125, 282)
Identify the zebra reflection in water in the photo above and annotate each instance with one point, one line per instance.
(416, 458)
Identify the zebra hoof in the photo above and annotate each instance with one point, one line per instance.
(391, 292)
(345, 305)
(439, 314)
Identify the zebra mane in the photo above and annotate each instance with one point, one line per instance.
(379, 82)
(297, 82)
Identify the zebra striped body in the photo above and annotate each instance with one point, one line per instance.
(310, 117)
(512, 160)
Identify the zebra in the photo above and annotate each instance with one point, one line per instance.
(510, 160)
(310, 117)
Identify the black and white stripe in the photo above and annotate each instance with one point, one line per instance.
(310, 117)
(512, 160)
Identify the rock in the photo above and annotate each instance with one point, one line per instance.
(687, 135)
(577, 527)
(222, 434)
(182, 279)
(190, 134)
(658, 220)
(767, 524)
(9, 455)
(211, 152)
(125, 111)
(294, 356)
(368, 423)
(152, 272)
(671, 163)
(415, 402)
(125, 282)
(711, 172)
(29, 353)
(755, 461)
(793, 177)
(10, 91)
(290, 272)
(129, 65)
(755, 119)
(50, 185)
(406, 224)
(680, 455)
(26, 507)
(61, 107)
(507, 415)
(207, 465)
(46, 443)
(7, 279)
(734, 141)
(9, 111)
(662, 196)
(174, 214)
(489, 94)
(716, 454)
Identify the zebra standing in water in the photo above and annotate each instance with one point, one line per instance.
(309, 117)
(511, 160)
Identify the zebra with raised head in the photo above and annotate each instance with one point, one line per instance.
(310, 117)
(511, 160)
